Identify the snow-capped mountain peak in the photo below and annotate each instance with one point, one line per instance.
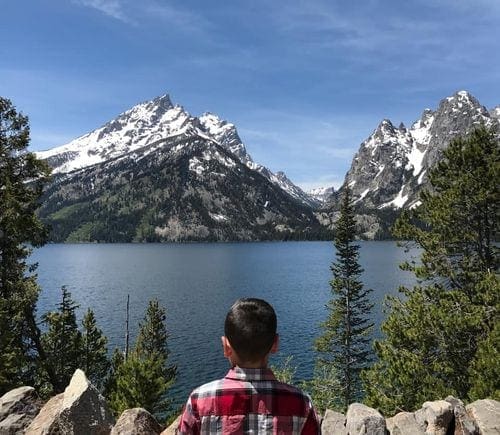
(153, 122)
(392, 164)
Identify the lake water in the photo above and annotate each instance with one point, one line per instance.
(197, 283)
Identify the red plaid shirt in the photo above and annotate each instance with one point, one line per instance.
(248, 401)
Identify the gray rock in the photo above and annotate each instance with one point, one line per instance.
(136, 421)
(80, 410)
(18, 408)
(463, 423)
(486, 413)
(173, 428)
(364, 420)
(404, 423)
(46, 421)
(435, 417)
(333, 423)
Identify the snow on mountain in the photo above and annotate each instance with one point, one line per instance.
(137, 127)
(321, 193)
(135, 130)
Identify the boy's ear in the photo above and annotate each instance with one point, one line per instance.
(274, 347)
(226, 347)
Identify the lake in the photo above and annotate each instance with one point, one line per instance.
(197, 284)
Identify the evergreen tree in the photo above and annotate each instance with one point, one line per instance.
(22, 177)
(94, 354)
(441, 333)
(145, 376)
(63, 341)
(344, 346)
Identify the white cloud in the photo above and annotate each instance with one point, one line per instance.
(184, 19)
(112, 8)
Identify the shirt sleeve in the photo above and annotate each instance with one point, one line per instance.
(311, 426)
(190, 422)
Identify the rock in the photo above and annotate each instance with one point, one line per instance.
(136, 421)
(435, 417)
(463, 423)
(404, 423)
(45, 421)
(18, 408)
(80, 410)
(364, 420)
(172, 429)
(333, 423)
(486, 413)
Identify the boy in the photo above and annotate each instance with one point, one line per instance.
(249, 399)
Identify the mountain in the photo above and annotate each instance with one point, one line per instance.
(392, 164)
(156, 173)
(151, 122)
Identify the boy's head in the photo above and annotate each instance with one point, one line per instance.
(250, 328)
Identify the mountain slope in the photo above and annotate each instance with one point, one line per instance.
(182, 188)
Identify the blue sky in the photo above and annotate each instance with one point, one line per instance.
(305, 82)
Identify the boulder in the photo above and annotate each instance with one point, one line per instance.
(486, 413)
(45, 421)
(80, 410)
(333, 423)
(173, 428)
(361, 419)
(404, 423)
(463, 423)
(18, 408)
(435, 417)
(136, 421)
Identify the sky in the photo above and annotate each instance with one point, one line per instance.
(305, 82)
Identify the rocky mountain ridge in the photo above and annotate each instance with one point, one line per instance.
(151, 122)
(391, 166)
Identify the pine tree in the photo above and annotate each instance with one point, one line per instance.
(145, 376)
(344, 346)
(63, 341)
(94, 354)
(22, 177)
(440, 333)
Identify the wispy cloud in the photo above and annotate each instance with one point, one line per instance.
(111, 8)
(176, 16)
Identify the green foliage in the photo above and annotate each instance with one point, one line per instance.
(343, 346)
(325, 389)
(140, 383)
(94, 353)
(439, 334)
(484, 371)
(22, 177)
(145, 376)
(285, 371)
(63, 341)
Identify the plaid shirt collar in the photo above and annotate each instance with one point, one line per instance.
(243, 374)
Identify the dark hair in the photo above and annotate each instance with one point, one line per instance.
(250, 327)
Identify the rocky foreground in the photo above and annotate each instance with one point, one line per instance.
(81, 410)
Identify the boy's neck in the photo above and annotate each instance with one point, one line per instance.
(251, 366)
